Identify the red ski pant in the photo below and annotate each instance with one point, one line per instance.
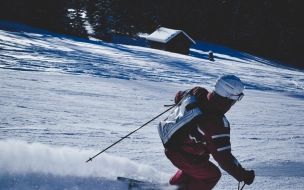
(196, 175)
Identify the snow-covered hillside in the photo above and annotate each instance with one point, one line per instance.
(64, 99)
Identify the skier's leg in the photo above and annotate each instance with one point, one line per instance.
(180, 178)
(205, 176)
(202, 175)
(178, 160)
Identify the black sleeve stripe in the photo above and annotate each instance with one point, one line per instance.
(222, 142)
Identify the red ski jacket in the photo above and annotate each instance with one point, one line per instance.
(212, 134)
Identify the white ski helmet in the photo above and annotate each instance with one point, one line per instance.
(229, 86)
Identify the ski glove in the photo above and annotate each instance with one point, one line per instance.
(249, 177)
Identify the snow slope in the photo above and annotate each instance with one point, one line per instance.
(65, 99)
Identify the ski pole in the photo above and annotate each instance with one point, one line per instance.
(90, 159)
(239, 187)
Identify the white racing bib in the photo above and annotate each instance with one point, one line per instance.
(178, 118)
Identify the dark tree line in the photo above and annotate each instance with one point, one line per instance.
(270, 28)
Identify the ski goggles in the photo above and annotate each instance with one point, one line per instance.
(236, 97)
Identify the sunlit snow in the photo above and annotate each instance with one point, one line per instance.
(65, 99)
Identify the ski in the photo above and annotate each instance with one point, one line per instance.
(145, 185)
(142, 185)
(132, 182)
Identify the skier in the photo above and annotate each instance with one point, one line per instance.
(211, 135)
(211, 56)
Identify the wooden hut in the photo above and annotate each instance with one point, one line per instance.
(176, 41)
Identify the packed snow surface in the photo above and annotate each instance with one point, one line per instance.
(64, 99)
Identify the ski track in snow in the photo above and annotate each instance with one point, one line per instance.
(64, 99)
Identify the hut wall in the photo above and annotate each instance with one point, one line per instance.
(179, 44)
(157, 45)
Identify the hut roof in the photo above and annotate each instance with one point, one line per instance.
(164, 35)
